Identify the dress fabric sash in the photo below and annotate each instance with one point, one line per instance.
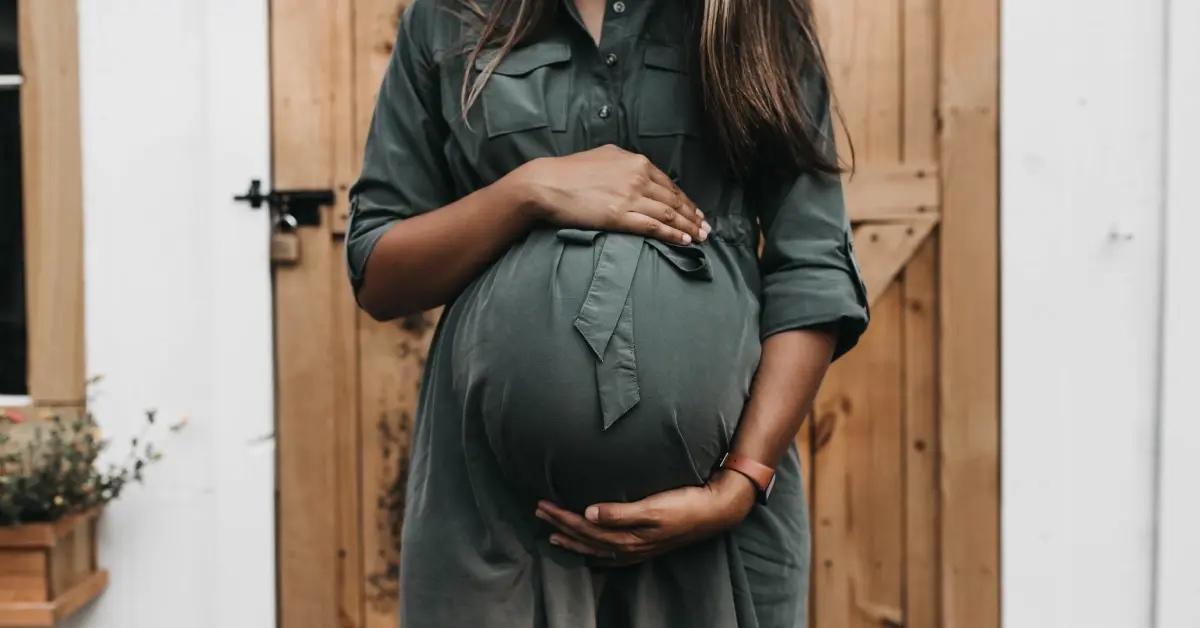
(605, 319)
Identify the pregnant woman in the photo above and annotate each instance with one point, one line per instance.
(631, 210)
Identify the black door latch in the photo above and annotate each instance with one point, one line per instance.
(292, 207)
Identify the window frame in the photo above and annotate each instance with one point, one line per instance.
(52, 204)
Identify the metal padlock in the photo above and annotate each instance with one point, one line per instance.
(285, 242)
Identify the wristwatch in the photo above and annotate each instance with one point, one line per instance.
(759, 474)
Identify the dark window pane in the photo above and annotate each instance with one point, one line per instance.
(13, 339)
(8, 37)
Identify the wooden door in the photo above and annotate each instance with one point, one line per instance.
(902, 449)
(347, 384)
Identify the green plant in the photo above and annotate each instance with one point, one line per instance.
(54, 472)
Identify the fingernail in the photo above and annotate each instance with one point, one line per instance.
(687, 239)
(699, 213)
(539, 514)
(554, 541)
(592, 513)
(705, 226)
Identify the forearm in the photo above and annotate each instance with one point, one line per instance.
(792, 366)
(426, 260)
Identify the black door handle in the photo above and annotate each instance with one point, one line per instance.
(294, 207)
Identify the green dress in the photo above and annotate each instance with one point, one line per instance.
(585, 366)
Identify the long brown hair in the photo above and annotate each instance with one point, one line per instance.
(758, 60)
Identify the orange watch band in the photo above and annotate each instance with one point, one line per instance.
(759, 474)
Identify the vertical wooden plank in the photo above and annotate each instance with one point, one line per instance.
(303, 42)
(59, 561)
(857, 437)
(863, 46)
(922, 533)
(920, 66)
(922, 528)
(859, 488)
(969, 314)
(391, 360)
(53, 187)
(375, 25)
(348, 446)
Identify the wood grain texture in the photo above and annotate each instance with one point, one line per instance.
(391, 360)
(53, 188)
(48, 614)
(24, 575)
(347, 445)
(304, 109)
(921, 70)
(862, 39)
(48, 570)
(884, 249)
(859, 484)
(925, 148)
(922, 520)
(969, 315)
(858, 473)
(887, 191)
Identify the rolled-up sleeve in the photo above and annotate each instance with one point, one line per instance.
(404, 169)
(809, 271)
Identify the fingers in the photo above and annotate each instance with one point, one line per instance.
(581, 547)
(672, 210)
(679, 200)
(653, 219)
(664, 190)
(600, 557)
(615, 542)
(618, 515)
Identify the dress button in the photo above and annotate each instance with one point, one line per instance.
(610, 59)
(618, 7)
(604, 112)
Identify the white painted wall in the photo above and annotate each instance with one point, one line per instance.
(1179, 467)
(1085, 171)
(175, 121)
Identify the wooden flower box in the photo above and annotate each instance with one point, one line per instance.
(48, 570)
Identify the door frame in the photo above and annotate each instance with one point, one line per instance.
(969, 315)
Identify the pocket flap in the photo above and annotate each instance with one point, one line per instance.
(665, 57)
(526, 59)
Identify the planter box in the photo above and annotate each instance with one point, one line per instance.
(48, 570)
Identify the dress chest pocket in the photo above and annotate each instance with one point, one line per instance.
(668, 98)
(528, 89)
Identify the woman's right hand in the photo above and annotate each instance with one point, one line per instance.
(611, 189)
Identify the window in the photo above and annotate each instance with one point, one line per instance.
(13, 334)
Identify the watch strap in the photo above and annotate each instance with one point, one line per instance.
(759, 474)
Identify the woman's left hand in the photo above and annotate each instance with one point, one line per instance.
(629, 533)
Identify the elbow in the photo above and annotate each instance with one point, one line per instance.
(382, 310)
(376, 308)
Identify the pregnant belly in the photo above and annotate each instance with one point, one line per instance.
(605, 367)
